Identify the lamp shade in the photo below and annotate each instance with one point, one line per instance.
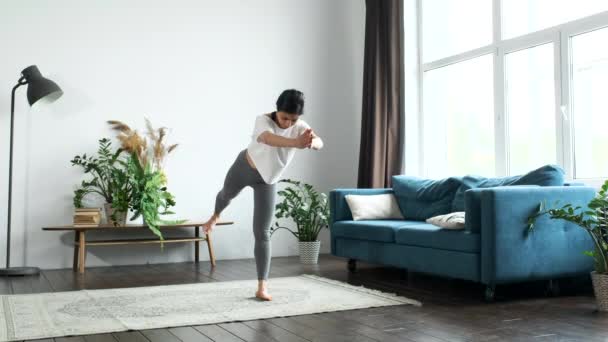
(39, 87)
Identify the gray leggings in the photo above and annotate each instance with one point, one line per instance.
(240, 175)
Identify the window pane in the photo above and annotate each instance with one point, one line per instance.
(590, 103)
(530, 104)
(459, 120)
(454, 26)
(525, 16)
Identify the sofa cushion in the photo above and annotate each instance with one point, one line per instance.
(374, 207)
(428, 235)
(421, 198)
(548, 175)
(453, 220)
(374, 230)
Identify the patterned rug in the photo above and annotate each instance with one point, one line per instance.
(44, 315)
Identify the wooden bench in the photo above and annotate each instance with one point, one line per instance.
(81, 243)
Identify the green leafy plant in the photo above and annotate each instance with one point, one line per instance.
(594, 219)
(308, 208)
(149, 197)
(109, 177)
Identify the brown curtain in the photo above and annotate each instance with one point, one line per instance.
(381, 151)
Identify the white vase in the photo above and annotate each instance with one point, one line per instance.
(309, 251)
(600, 288)
(121, 217)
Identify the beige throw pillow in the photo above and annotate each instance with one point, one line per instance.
(453, 220)
(374, 207)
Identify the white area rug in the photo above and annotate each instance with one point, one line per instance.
(84, 312)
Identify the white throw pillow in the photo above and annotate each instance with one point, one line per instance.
(373, 207)
(453, 220)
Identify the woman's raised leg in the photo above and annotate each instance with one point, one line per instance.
(236, 180)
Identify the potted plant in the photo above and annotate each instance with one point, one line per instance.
(594, 219)
(149, 197)
(309, 210)
(110, 181)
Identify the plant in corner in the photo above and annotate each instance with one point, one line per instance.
(149, 196)
(109, 181)
(593, 219)
(309, 210)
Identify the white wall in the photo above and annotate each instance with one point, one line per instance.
(204, 69)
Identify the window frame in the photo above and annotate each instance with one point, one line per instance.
(560, 36)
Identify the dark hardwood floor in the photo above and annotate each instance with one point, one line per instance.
(452, 310)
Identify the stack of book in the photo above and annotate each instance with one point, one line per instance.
(87, 217)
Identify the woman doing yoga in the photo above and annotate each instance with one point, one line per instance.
(275, 138)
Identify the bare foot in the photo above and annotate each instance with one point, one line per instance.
(263, 295)
(262, 291)
(208, 226)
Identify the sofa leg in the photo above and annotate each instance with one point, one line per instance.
(490, 293)
(352, 265)
(553, 289)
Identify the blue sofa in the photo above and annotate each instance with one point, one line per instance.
(494, 248)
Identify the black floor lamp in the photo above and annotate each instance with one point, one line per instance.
(38, 88)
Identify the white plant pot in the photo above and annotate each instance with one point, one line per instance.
(309, 251)
(121, 217)
(600, 288)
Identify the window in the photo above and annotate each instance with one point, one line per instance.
(464, 105)
(454, 26)
(590, 103)
(501, 97)
(530, 108)
(524, 16)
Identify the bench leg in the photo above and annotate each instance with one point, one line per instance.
(76, 238)
(82, 249)
(197, 244)
(211, 256)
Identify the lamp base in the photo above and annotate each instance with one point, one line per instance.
(19, 271)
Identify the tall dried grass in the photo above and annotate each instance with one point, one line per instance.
(152, 151)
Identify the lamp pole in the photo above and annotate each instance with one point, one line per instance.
(38, 88)
(21, 82)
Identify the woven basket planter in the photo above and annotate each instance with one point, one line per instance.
(600, 287)
(309, 251)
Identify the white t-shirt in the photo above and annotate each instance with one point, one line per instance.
(271, 161)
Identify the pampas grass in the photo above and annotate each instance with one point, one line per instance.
(152, 151)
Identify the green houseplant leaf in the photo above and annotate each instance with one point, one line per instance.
(308, 209)
(594, 220)
(108, 174)
(149, 197)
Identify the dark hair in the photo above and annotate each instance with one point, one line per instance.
(291, 101)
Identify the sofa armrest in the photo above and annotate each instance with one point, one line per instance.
(472, 207)
(554, 249)
(339, 210)
(338, 207)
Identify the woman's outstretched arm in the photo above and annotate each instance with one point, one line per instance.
(304, 140)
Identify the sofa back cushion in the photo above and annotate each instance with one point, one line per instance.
(421, 198)
(548, 175)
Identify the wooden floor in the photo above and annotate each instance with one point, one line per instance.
(452, 310)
